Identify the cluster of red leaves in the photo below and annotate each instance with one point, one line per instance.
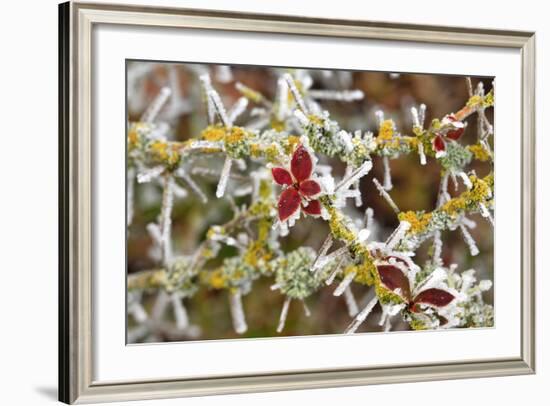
(299, 190)
(394, 278)
(454, 132)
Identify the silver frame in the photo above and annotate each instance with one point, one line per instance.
(76, 22)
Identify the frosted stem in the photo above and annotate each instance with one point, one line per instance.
(351, 303)
(154, 108)
(284, 313)
(237, 312)
(344, 284)
(421, 153)
(397, 235)
(224, 177)
(385, 195)
(295, 93)
(180, 312)
(166, 218)
(387, 174)
(360, 318)
(470, 242)
(159, 308)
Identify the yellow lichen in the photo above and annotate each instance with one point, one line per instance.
(479, 151)
(165, 152)
(418, 221)
(386, 130)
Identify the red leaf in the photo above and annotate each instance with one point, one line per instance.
(455, 134)
(310, 188)
(313, 208)
(434, 297)
(281, 176)
(301, 164)
(289, 202)
(393, 278)
(438, 143)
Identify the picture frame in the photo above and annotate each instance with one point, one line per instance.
(77, 383)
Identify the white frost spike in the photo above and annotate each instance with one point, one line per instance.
(369, 213)
(354, 176)
(343, 95)
(469, 240)
(282, 98)
(138, 312)
(295, 93)
(437, 248)
(397, 235)
(422, 114)
(194, 187)
(363, 235)
(344, 284)
(323, 250)
(301, 117)
(383, 316)
(130, 179)
(224, 177)
(358, 197)
(207, 86)
(486, 213)
(237, 312)
(321, 262)
(385, 195)
(284, 313)
(166, 218)
(180, 313)
(237, 109)
(224, 73)
(205, 144)
(154, 108)
(345, 139)
(350, 302)
(307, 312)
(387, 174)
(220, 109)
(415, 119)
(154, 231)
(149, 174)
(421, 153)
(466, 180)
(380, 116)
(485, 285)
(360, 318)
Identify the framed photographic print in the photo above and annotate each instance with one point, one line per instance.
(262, 202)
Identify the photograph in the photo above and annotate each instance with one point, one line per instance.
(281, 201)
